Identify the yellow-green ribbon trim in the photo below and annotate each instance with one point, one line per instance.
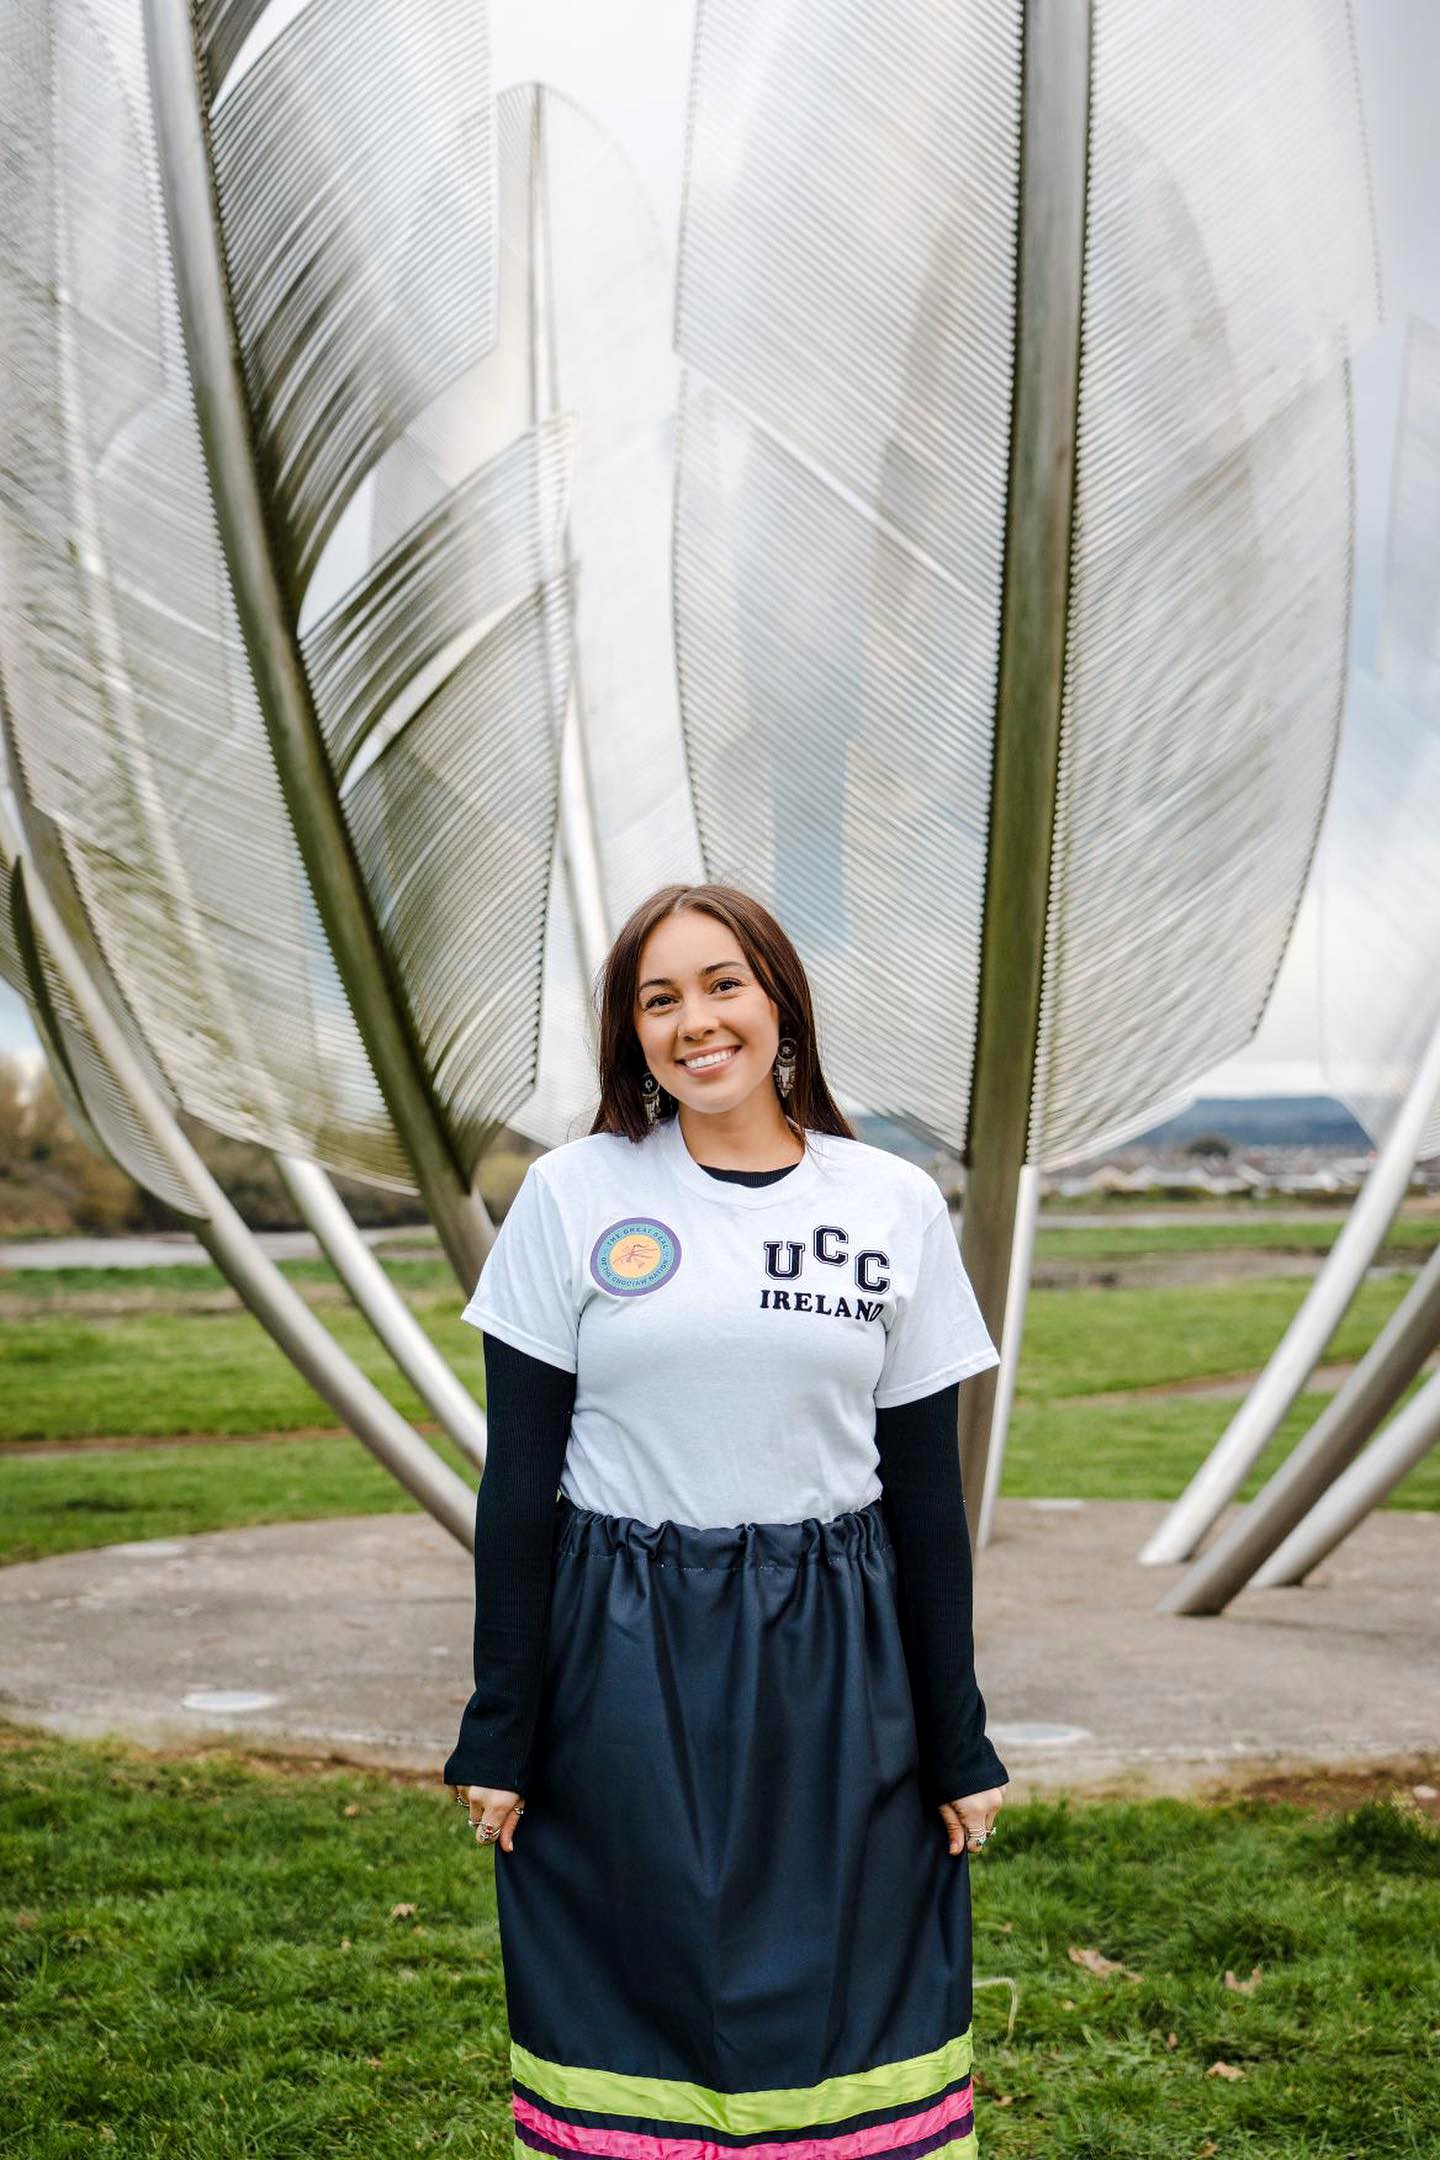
(778, 2107)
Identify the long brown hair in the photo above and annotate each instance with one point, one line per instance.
(810, 1107)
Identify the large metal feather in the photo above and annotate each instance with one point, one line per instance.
(1380, 865)
(583, 340)
(1229, 261)
(1376, 895)
(1013, 535)
(846, 307)
(136, 729)
(330, 201)
(847, 301)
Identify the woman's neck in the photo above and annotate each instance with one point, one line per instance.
(733, 1141)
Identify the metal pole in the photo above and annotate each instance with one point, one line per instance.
(1332, 1443)
(1055, 123)
(382, 1305)
(1389, 1458)
(580, 852)
(1016, 1297)
(1250, 1431)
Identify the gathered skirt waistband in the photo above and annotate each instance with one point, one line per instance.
(860, 1534)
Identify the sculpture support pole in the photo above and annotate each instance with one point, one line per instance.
(308, 783)
(383, 1307)
(1389, 1458)
(1030, 687)
(580, 854)
(1021, 1258)
(1331, 1444)
(1224, 1470)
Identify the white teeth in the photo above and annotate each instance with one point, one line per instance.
(703, 1064)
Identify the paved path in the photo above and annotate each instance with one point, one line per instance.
(352, 1638)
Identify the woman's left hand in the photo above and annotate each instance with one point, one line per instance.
(970, 1821)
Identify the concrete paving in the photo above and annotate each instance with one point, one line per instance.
(351, 1639)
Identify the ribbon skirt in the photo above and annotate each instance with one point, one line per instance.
(731, 1919)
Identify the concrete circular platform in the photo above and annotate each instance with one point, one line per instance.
(351, 1639)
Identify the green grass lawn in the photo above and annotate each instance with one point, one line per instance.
(206, 1957)
(176, 1366)
(169, 1363)
(1407, 1238)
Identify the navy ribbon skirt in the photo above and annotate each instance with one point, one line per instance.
(730, 1918)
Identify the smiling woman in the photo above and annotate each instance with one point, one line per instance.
(726, 1672)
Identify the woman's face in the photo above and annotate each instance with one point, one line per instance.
(699, 999)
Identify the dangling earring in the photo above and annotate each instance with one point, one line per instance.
(650, 1090)
(784, 1067)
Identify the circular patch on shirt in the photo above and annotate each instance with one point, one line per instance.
(634, 1256)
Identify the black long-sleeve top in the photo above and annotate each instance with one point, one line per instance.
(529, 1405)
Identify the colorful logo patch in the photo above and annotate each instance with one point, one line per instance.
(634, 1256)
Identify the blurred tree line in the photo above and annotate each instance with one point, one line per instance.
(52, 1184)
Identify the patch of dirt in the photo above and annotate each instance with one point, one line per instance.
(1320, 1791)
(1325, 1379)
(1196, 1270)
(1331, 1792)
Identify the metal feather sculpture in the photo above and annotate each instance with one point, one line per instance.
(1011, 549)
(1034, 324)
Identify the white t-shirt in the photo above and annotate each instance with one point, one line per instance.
(730, 1342)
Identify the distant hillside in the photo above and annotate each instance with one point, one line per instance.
(1262, 1121)
(1313, 1121)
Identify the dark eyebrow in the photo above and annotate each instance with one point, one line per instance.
(664, 980)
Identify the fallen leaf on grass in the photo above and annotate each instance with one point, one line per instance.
(403, 1912)
(1102, 1967)
(353, 1808)
(1244, 1987)
(1172, 2040)
(1207, 2149)
(1003, 2100)
(1225, 2070)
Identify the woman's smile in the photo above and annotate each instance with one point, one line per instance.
(708, 1061)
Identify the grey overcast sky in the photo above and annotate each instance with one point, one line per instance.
(627, 61)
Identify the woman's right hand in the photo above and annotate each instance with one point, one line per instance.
(496, 1809)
